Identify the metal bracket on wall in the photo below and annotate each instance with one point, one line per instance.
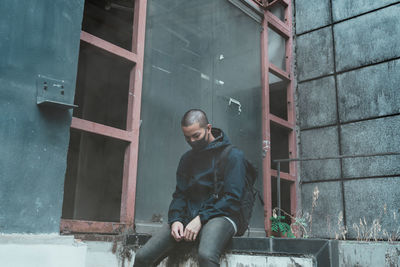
(56, 93)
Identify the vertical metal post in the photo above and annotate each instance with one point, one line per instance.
(278, 186)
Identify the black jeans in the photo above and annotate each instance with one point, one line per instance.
(213, 238)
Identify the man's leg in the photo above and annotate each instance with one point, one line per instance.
(156, 248)
(214, 237)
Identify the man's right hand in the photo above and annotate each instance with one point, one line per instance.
(177, 231)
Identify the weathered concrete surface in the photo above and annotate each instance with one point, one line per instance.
(366, 92)
(371, 166)
(369, 92)
(320, 14)
(369, 199)
(369, 137)
(372, 136)
(314, 52)
(326, 221)
(315, 110)
(265, 261)
(369, 254)
(322, 251)
(37, 37)
(318, 143)
(241, 260)
(343, 9)
(41, 251)
(107, 254)
(370, 38)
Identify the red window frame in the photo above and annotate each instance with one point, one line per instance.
(131, 135)
(285, 30)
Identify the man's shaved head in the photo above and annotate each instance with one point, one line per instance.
(193, 116)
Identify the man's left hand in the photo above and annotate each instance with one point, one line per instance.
(192, 229)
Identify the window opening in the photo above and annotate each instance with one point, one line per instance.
(102, 87)
(278, 97)
(279, 146)
(285, 197)
(94, 177)
(100, 179)
(110, 20)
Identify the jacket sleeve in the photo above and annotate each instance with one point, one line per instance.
(234, 183)
(178, 204)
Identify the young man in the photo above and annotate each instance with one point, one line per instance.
(195, 214)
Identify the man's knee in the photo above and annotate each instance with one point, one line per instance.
(206, 255)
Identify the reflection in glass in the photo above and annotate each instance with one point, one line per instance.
(198, 54)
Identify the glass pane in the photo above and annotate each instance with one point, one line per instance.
(279, 11)
(276, 49)
(102, 87)
(237, 86)
(111, 20)
(198, 54)
(93, 180)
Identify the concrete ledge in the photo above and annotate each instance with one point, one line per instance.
(243, 250)
(41, 251)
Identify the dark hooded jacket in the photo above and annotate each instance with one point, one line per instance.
(195, 183)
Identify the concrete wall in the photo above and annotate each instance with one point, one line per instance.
(348, 95)
(37, 38)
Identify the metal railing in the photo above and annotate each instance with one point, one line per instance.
(279, 161)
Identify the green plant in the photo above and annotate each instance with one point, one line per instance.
(298, 227)
(279, 226)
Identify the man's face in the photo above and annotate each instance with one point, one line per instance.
(196, 136)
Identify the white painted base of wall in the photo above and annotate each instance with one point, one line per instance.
(243, 260)
(106, 254)
(369, 254)
(100, 254)
(22, 250)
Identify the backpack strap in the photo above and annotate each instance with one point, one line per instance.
(221, 161)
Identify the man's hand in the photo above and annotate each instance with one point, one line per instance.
(177, 231)
(192, 229)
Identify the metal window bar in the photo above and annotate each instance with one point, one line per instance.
(278, 162)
